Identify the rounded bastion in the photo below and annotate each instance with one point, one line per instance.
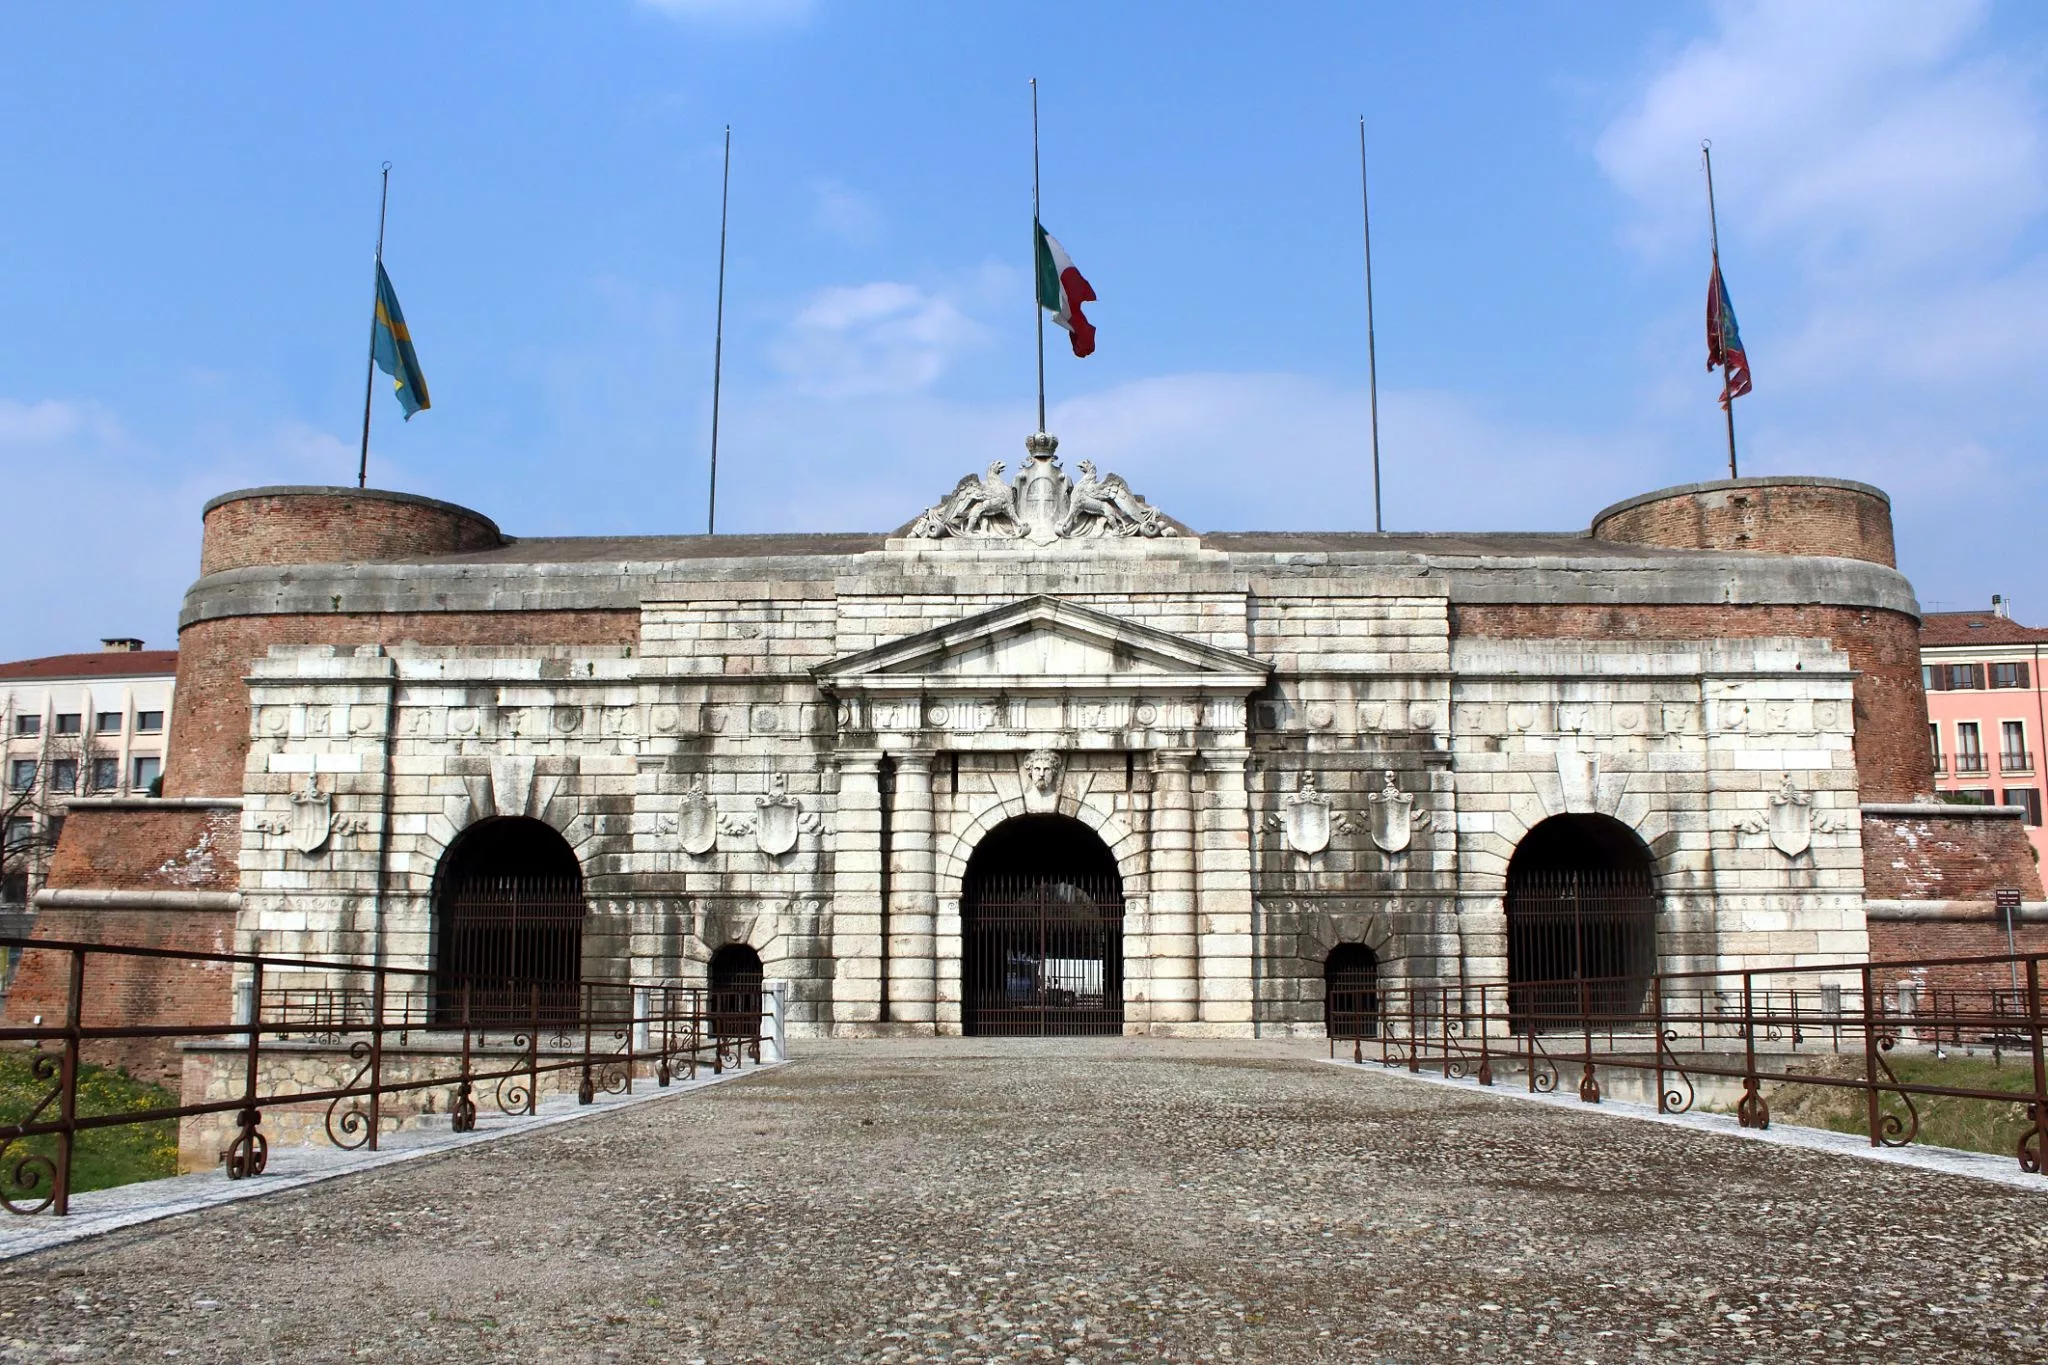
(312, 524)
(1786, 515)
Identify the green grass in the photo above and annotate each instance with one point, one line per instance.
(1945, 1120)
(103, 1157)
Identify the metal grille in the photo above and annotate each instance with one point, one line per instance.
(1044, 955)
(517, 942)
(1351, 993)
(1579, 939)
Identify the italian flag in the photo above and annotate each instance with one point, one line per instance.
(1062, 291)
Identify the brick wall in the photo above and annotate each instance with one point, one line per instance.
(162, 992)
(336, 526)
(170, 849)
(210, 719)
(1790, 518)
(1892, 759)
(1919, 940)
(1953, 858)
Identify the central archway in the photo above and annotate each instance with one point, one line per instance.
(1582, 922)
(1042, 932)
(508, 925)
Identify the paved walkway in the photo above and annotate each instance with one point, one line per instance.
(1072, 1201)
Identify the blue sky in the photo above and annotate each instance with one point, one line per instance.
(190, 208)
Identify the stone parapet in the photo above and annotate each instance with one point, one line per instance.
(1775, 515)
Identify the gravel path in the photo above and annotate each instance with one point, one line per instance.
(1084, 1200)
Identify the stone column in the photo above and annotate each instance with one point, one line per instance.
(913, 960)
(857, 894)
(1224, 859)
(1172, 872)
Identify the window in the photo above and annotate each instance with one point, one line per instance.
(1974, 796)
(148, 722)
(63, 774)
(20, 830)
(21, 775)
(105, 775)
(2027, 799)
(53, 829)
(67, 722)
(1934, 742)
(28, 725)
(1969, 747)
(1932, 677)
(2012, 748)
(1960, 677)
(146, 772)
(107, 723)
(2008, 675)
(14, 888)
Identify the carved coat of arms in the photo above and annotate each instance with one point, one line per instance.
(1394, 817)
(1042, 506)
(312, 817)
(778, 818)
(696, 821)
(1791, 822)
(1307, 820)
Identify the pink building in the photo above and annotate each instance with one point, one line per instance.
(1987, 708)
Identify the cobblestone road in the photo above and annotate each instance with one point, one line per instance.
(1087, 1201)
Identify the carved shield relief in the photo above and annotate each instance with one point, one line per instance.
(777, 818)
(312, 817)
(1305, 818)
(1393, 822)
(697, 822)
(1791, 820)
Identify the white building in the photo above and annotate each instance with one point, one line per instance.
(75, 725)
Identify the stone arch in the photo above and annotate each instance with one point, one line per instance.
(1042, 931)
(955, 850)
(1581, 910)
(509, 913)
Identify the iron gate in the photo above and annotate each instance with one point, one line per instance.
(517, 943)
(1580, 938)
(1351, 992)
(1044, 956)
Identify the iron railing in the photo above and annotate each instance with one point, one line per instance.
(2015, 761)
(1973, 763)
(392, 1023)
(1750, 1029)
(1043, 955)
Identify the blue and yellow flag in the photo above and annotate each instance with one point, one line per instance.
(391, 347)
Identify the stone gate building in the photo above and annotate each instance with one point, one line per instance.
(1044, 759)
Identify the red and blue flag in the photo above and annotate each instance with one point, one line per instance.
(1724, 340)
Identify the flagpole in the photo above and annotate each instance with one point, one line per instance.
(1372, 359)
(1036, 228)
(718, 333)
(1714, 235)
(370, 370)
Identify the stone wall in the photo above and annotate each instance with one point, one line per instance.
(210, 722)
(1892, 758)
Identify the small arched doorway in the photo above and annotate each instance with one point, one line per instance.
(1042, 931)
(1351, 992)
(508, 925)
(734, 998)
(1582, 922)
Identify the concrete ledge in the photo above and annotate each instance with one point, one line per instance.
(2030, 912)
(1940, 810)
(140, 899)
(154, 803)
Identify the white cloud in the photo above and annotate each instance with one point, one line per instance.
(850, 341)
(107, 533)
(838, 210)
(1863, 132)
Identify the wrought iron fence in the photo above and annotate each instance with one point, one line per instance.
(1753, 1029)
(1044, 955)
(609, 1035)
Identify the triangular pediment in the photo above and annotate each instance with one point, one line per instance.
(1042, 641)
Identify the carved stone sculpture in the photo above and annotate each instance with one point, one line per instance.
(1791, 822)
(1042, 770)
(311, 822)
(1042, 506)
(1394, 817)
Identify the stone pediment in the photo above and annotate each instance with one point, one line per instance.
(1043, 644)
